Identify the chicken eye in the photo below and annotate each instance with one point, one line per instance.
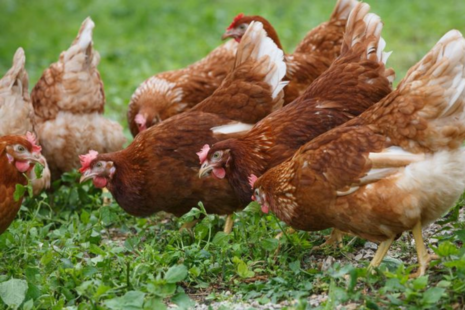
(257, 192)
(217, 155)
(20, 148)
(243, 26)
(99, 164)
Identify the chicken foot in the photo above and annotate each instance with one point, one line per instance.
(189, 225)
(423, 256)
(228, 225)
(334, 240)
(289, 231)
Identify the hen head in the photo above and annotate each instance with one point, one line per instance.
(100, 171)
(214, 159)
(155, 100)
(241, 22)
(259, 194)
(22, 152)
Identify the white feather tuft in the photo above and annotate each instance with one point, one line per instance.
(231, 128)
(85, 33)
(266, 47)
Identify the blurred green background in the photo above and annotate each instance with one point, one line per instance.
(137, 39)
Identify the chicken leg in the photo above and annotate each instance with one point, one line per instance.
(380, 253)
(423, 256)
(228, 225)
(335, 239)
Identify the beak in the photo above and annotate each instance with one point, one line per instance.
(88, 174)
(205, 169)
(35, 158)
(231, 33)
(39, 158)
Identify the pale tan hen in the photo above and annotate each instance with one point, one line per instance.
(16, 113)
(68, 104)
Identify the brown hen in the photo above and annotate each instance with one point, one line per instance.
(169, 93)
(68, 104)
(158, 170)
(397, 167)
(16, 113)
(18, 155)
(355, 81)
(313, 55)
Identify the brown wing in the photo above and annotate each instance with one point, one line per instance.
(254, 88)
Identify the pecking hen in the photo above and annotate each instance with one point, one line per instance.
(18, 155)
(16, 113)
(397, 167)
(169, 93)
(354, 82)
(158, 170)
(313, 55)
(68, 103)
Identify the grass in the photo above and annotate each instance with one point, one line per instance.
(71, 251)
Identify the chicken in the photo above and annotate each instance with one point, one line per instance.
(397, 167)
(18, 155)
(158, 170)
(16, 113)
(68, 104)
(312, 56)
(169, 93)
(355, 81)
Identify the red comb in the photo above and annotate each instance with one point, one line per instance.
(235, 20)
(252, 179)
(32, 139)
(86, 160)
(203, 153)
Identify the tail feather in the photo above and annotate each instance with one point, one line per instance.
(343, 9)
(432, 96)
(81, 51)
(17, 75)
(255, 44)
(364, 28)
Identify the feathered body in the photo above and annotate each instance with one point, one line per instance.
(158, 170)
(16, 112)
(68, 104)
(169, 93)
(397, 167)
(314, 54)
(354, 82)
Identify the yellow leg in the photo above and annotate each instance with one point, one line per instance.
(189, 225)
(335, 239)
(228, 225)
(106, 200)
(423, 256)
(380, 253)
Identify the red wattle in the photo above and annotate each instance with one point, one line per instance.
(100, 182)
(219, 173)
(265, 208)
(22, 166)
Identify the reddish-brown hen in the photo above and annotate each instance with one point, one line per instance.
(169, 93)
(313, 55)
(18, 155)
(16, 113)
(158, 170)
(68, 104)
(355, 81)
(397, 167)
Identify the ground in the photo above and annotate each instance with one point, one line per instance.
(71, 251)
